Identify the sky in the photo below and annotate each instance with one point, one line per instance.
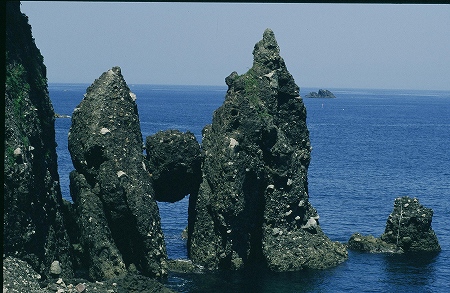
(386, 46)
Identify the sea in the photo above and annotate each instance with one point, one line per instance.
(370, 146)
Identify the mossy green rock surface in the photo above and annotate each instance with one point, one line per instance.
(34, 228)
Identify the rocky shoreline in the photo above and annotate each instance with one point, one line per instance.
(248, 184)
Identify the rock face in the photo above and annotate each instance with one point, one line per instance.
(408, 228)
(34, 228)
(174, 160)
(20, 277)
(252, 206)
(116, 211)
(320, 94)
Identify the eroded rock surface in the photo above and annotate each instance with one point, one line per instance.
(174, 161)
(409, 226)
(115, 207)
(34, 227)
(408, 229)
(371, 244)
(19, 277)
(253, 205)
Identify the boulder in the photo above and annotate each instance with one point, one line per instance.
(320, 94)
(253, 206)
(174, 161)
(115, 205)
(33, 223)
(409, 226)
(371, 244)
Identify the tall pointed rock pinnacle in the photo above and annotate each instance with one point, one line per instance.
(253, 204)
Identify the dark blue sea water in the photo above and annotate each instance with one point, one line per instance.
(369, 147)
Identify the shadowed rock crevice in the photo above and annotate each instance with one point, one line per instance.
(174, 161)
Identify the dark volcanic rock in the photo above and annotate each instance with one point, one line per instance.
(34, 228)
(174, 160)
(371, 244)
(320, 94)
(253, 205)
(409, 226)
(19, 277)
(117, 214)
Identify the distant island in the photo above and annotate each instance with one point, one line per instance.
(320, 94)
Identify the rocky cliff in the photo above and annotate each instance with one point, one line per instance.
(33, 224)
(114, 200)
(252, 206)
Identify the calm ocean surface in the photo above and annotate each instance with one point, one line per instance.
(369, 147)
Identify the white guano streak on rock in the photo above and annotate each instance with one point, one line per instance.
(104, 130)
(133, 96)
(233, 143)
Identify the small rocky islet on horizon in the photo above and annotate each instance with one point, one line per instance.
(248, 184)
(321, 94)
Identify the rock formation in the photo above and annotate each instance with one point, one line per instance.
(320, 94)
(34, 228)
(115, 205)
(408, 228)
(371, 244)
(174, 160)
(252, 206)
(18, 276)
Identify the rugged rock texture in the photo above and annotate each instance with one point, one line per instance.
(174, 161)
(252, 206)
(34, 228)
(371, 244)
(408, 228)
(320, 94)
(116, 211)
(19, 277)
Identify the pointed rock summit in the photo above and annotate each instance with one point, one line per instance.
(253, 203)
(116, 211)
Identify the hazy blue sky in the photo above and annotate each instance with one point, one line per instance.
(324, 45)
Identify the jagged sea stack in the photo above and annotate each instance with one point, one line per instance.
(114, 200)
(34, 228)
(252, 206)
